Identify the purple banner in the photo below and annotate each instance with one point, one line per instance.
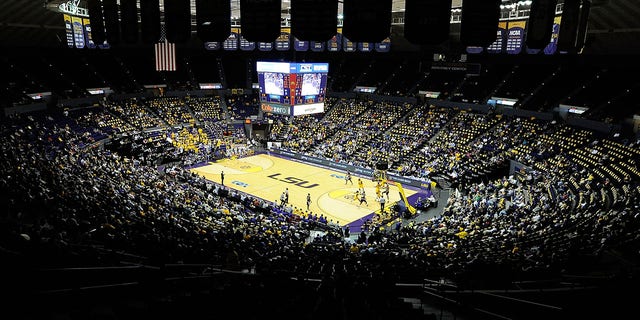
(300, 45)
(231, 43)
(496, 46)
(283, 43)
(265, 46)
(553, 44)
(384, 46)
(348, 45)
(335, 44)
(212, 45)
(317, 46)
(78, 32)
(532, 51)
(515, 36)
(68, 26)
(87, 33)
(474, 50)
(365, 46)
(246, 45)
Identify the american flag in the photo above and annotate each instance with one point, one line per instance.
(165, 53)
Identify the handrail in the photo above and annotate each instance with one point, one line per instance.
(99, 268)
(97, 287)
(548, 306)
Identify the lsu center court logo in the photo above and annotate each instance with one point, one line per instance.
(293, 180)
(240, 183)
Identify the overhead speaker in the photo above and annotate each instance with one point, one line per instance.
(314, 20)
(479, 23)
(150, 20)
(583, 23)
(213, 19)
(366, 20)
(540, 24)
(260, 20)
(427, 21)
(569, 25)
(111, 21)
(129, 21)
(177, 20)
(97, 21)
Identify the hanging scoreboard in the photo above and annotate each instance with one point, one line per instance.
(292, 88)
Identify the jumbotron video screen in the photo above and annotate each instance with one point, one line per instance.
(292, 88)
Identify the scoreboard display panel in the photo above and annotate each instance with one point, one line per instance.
(292, 88)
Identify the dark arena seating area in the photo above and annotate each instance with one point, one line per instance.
(534, 158)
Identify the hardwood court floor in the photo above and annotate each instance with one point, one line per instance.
(267, 177)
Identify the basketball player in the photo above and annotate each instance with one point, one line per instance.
(363, 198)
(360, 184)
(385, 190)
(348, 178)
(356, 195)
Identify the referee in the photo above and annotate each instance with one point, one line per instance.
(382, 201)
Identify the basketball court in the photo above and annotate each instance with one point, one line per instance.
(267, 177)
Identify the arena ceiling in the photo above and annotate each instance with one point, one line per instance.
(614, 26)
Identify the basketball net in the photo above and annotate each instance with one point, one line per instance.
(380, 176)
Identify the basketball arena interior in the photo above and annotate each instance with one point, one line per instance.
(319, 159)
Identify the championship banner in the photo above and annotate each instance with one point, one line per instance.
(531, 50)
(246, 45)
(348, 45)
(283, 42)
(335, 44)
(265, 46)
(553, 44)
(496, 46)
(317, 46)
(78, 32)
(68, 30)
(515, 36)
(365, 46)
(384, 46)
(300, 45)
(231, 43)
(474, 50)
(212, 45)
(87, 33)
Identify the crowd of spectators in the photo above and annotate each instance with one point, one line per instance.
(206, 109)
(79, 181)
(65, 191)
(575, 175)
(173, 110)
(135, 113)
